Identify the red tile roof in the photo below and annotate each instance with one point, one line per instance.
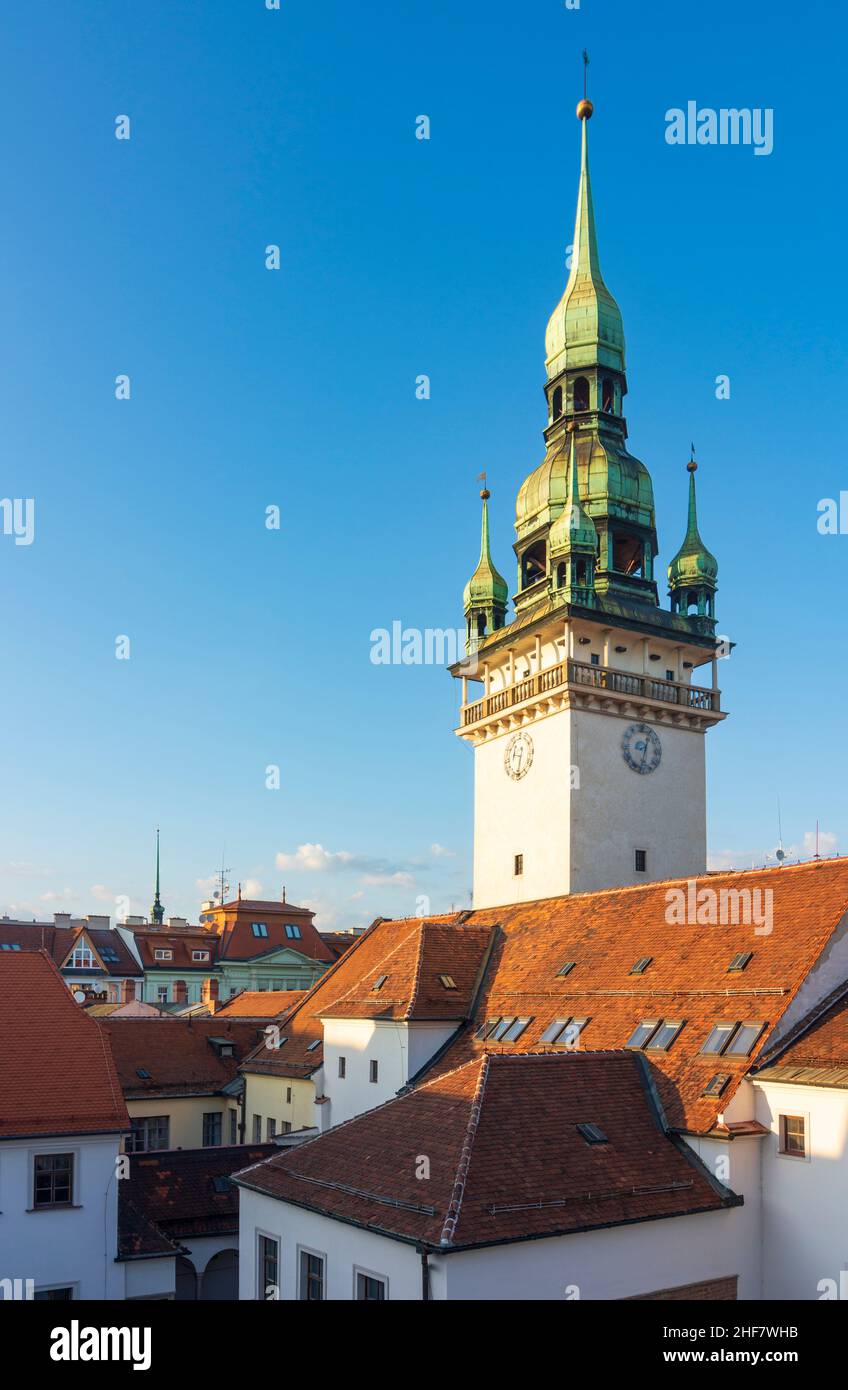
(412, 954)
(180, 944)
(57, 1075)
(688, 979)
(261, 1003)
(178, 1053)
(818, 1041)
(239, 943)
(59, 942)
(506, 1159)
(171, 1196)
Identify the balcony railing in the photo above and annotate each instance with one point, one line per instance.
(624, 683)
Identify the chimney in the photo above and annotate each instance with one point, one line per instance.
(61, 919)
(209, 994)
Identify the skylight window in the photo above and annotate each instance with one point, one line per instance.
(643, 1032)
(567, 968)
(11, 946)
(719, 1037)
(564, 1032)
(221, 1183)
(487, 1029)
(716, 1084)
(378, 983)
(740, 961)
(665, 1035)
(641, 965)
(312, 1046)
(448, 981)
(743, 1040)
(515, 1029)
(259, 928)
(142, 1073)
(500, 1028)
(292, 931)
(593, 1134)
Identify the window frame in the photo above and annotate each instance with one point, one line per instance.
(783, 1151)
(360, 1273)
(307, 1252)
(130, 1145)
(373, 1071)
(59, 1151)
(262, 1283)
(209, 1118)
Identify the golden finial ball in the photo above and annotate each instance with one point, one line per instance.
(485, 494)
(691, 466)
(584, 109)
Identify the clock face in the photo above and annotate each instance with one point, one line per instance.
(641, 748)
(518, 756)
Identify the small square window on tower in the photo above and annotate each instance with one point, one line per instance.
(641, 861)
(519, 865)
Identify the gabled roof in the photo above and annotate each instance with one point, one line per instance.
(688, 978)
(173, 1196)
(59, 942)
(181, 944)
(57, 1075)
(239, 943)
(506, 1158)
(178, 1054)
(816, 1053)
(412, 953)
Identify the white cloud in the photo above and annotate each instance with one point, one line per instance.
(315, 858)
(439, 852)
(827, 842)
(402, 879)
(251, 888)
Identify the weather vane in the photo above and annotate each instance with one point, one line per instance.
(585, 74)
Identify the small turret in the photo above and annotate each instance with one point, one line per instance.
(485, 595)
(573, 541)
(693, 572)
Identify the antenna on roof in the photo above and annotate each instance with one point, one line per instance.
(780, 852)
(817, 855)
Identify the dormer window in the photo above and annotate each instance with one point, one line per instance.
(292, 931)
(259, 928)
(82, 958)
(200, 955)
(161, 954)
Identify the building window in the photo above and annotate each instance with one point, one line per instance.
(669, 675)
(200, 955)
(81, 958)
(594, 659)
(148, 1132)
(162, 994)
(641, 861)
(608, 396)
(518, 867)
(793, 1136)
(61, 1295)
(211, 1129)
(54, 1180)
(342, 1066)
(581, 394)
(370, 1288)
(269, 1268)
(311, 1277)
(257, 1129)
(271, 1129)
(292, 931)
(233, 1127)
(556, 403)
(373, 1070)
(288, 1095)
(259, 928)
(161, 954)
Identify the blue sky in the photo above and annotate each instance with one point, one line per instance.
(296, 388)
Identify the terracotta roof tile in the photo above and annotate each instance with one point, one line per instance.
(59, 942)
(177, 1053)
(261, 1004)
(506, 1158)
(172, 1196)
(57, 1075)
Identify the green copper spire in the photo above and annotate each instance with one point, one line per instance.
(485, 595)
(585, 329)
(693, 572)
(157, 911)
(573, 543)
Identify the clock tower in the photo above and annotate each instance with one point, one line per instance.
(587, 711)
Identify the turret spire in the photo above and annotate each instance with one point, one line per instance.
(486, 593)
(157, 911)
(693, 572)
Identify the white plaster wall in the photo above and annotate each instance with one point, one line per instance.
(400, 1050)
(616, 1263)
(150, 1278)
(583, 838)
(344, 1247)
(738, 1164)
(805, 1216)
(74, 1246)
(829, 971)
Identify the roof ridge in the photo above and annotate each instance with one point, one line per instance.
(416, 984)
(455, 1204)
(415, 924)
